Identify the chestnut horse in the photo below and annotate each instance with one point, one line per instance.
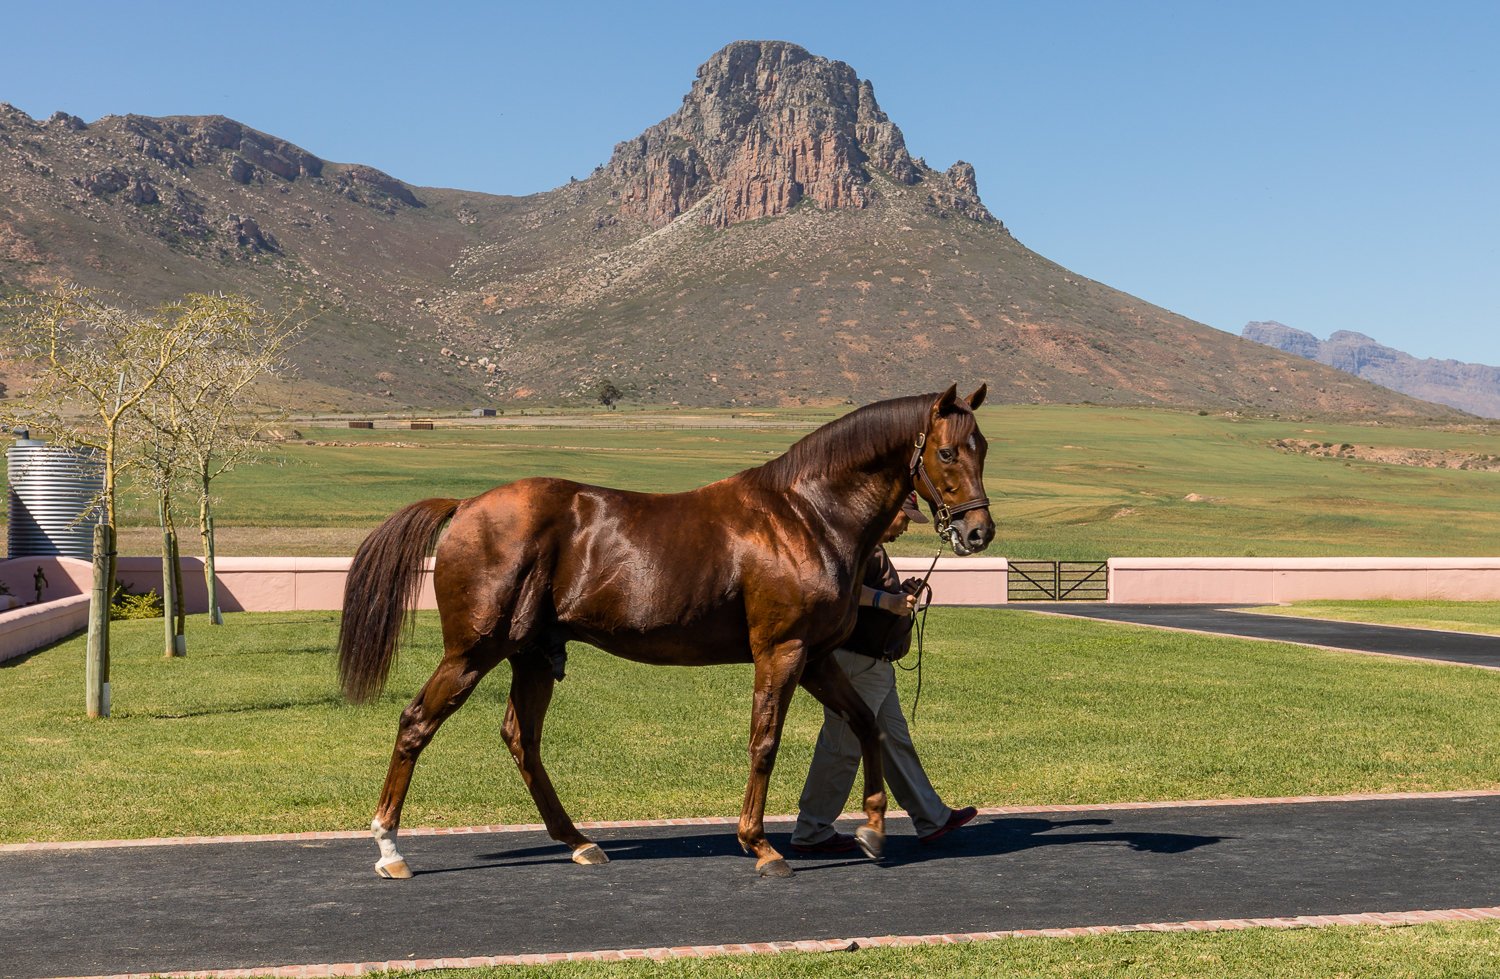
(761, 567)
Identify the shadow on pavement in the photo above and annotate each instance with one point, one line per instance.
(984, 837)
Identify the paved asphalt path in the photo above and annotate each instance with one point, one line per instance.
(235, 905)
(1455, 647)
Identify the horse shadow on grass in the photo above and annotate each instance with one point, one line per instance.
(984, 837)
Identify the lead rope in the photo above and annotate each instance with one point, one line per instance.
(924, 602)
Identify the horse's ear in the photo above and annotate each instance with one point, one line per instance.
(944, 404)
(977, 398)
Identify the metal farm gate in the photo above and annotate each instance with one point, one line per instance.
(1058, 581)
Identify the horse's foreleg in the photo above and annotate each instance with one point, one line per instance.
(443, 693)
(776, 675)
(826, 681)
(530, 694)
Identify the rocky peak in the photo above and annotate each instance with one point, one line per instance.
(766, 126)
(1283, 337)
(1469, 387)
(66, 120)
(1354, 352)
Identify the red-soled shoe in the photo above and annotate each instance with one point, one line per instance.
(955, 819)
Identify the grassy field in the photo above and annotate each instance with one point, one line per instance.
(1067, 482)
(1454, 616)
(248, 733)
(1424, 952)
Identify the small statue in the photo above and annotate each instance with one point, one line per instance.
(40, 580)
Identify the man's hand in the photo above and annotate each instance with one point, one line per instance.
(898, 603)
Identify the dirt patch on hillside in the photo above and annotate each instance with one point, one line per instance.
(1420, 458)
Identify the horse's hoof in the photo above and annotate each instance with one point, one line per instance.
(775, 867)
(589, 855)
(871, 842)
(393, 869)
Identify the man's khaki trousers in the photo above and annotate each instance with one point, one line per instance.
(836, 758)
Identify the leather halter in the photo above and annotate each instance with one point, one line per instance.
(942, 513)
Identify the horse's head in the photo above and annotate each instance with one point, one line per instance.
(947, 469)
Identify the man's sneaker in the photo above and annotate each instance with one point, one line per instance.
(956, 818)
(837, 843)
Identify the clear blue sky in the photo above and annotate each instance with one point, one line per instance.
(1332, 165)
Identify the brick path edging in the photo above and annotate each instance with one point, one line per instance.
(359, 834)
(1381, 919)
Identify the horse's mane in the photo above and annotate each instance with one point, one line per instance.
(853, 440)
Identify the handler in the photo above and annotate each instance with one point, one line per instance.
(882, 634)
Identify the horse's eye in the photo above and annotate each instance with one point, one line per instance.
(947, 455)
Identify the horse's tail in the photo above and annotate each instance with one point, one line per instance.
(384, 581)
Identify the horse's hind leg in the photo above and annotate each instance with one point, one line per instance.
(443, 693)
(531, 685)
(826, 681)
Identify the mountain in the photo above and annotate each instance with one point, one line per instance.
(1474, 388)
(773, 241)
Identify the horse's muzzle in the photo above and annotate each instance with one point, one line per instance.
(972, 532)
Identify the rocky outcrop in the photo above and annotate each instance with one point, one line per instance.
(1473, 388)
(880, 140)
(252, 148)
(246, 233)
(67, 121)
(371, 186)
(1283, 337)
(112, 180)
(958, 191)
(766, 127)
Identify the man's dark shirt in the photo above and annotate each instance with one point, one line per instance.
(877, 633)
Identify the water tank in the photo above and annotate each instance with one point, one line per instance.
(53, 496)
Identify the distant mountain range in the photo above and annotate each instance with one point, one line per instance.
(1474, 388)
(771, 242)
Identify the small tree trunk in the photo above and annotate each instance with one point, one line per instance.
(96, 659)
(181, 596)
(169, 583)
(206, 530)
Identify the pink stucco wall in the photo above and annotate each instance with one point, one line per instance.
(65, 576)
(1242, 580)
(960, 580)
(34, 626)
(271, 584)
(267, 584)
(258, 584)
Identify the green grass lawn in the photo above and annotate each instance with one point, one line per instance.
(1454, 616)
(248, 733)
(1444, 951)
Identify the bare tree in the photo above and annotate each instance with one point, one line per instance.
(197, 427)
(155, 444)
(217, 392)
(93, 364)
